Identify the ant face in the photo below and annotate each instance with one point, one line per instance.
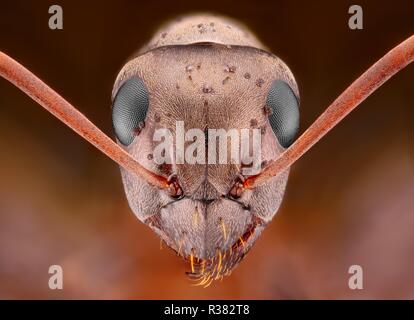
(206, 215)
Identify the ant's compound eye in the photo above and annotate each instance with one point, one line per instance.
(283, 113)
(129, 110)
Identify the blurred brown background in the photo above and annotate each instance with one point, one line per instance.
(349, 200)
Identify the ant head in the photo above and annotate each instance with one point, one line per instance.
(215, 92)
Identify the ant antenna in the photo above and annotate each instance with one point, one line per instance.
(68, 114)
(395, 60)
